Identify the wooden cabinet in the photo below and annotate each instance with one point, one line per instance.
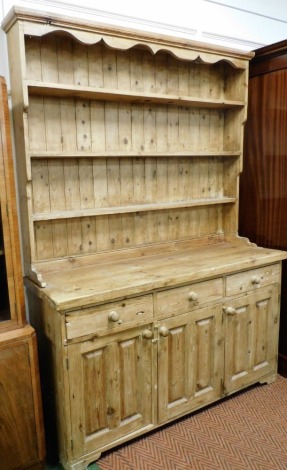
(264, 171)
(129, 150)
(21, 426)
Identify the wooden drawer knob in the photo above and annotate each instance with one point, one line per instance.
(163, 331)
(147, 334)
(255, 279)
(114, 316)
(192, 296)
(230, 311)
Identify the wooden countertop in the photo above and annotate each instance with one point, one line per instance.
(84, 286)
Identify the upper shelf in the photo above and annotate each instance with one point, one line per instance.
(103, 94)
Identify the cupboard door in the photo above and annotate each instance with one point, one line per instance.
(190, 361)
(251, 338)
(110, 388)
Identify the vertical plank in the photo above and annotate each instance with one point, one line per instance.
(65, 60)
(172, 75)
(113, 388)
(95, 64)
(194, 80)
(69, 144)
(261, 329)
(83, 125)
(87, 201)
(68, 125)
(36, 124)
(49, 59)
(40, 186)
(125, 127)
(126, 177)
(183, 78)
(80, 64)
(204, 353)
(240, 340)
(114, 191)
(204, 82)
(112, 126)
(72, 198)
(148, 72)
(59, 233)
(98, 126)
(44, 240)
(94, 376)
(33, 58)
(177, 361)
(161, 73)
(110, 68)
(123, 71)
(128, 377)
(52, 118)
(136, 69)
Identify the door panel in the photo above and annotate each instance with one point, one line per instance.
(111, 387)
(190, 361)
(251, 340)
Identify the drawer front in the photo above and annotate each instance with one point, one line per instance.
(252, 279)
(187, 298)
(109, 316)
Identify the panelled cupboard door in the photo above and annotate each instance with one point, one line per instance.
(190, 361)
(111, 387)
(251, 338)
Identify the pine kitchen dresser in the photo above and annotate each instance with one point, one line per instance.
(146, 302)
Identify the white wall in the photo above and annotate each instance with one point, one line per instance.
(241, 24)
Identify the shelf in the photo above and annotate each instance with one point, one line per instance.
(82, 92)
(130, 154)
(129, 209)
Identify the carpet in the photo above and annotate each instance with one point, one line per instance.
(247, 431)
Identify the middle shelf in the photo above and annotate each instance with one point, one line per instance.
(129, 209)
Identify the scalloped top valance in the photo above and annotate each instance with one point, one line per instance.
(38, 23)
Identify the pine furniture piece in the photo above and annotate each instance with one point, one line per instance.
(265, 164)
(21, 426)
(146, 302)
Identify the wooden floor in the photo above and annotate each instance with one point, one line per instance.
(247, 431)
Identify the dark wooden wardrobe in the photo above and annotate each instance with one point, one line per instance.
(263, 184)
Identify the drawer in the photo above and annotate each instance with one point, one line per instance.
(186, 298)
(109, 316)
(252, 279)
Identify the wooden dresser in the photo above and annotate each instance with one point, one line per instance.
(263, 180)
(147, 303)
(21, 426)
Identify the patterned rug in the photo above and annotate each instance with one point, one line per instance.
(247, 431)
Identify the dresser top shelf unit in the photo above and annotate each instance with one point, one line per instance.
(128, 144)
